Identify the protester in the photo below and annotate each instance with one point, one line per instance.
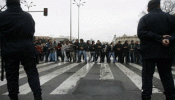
(93, 51)
(82, 47)
(118, 51)
(76, 50)
(105, 52)
(88, 49)
(98, 50)
(137, 53)
(131, 51)
(111, 52)
(125, 53)
(59, 54)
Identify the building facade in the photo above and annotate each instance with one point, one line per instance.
(125, 37)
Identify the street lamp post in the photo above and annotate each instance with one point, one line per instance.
(79, 4)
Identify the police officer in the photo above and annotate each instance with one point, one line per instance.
(17, 29)
(156, 31)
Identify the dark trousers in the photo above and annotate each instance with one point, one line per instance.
(68, 55)
(164, 69)
(60, 55)
(132, 57)
(47, 55)
(103, 56)
(125, 54)
(97, 54)
(12, 76)
(119, 55)
(137, 57)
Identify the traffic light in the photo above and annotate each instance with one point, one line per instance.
(45, 11)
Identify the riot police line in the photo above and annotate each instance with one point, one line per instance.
(67, 51)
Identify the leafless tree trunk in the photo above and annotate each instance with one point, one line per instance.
(167, 6)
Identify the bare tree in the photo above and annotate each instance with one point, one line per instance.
(27, 4)
(167, 6)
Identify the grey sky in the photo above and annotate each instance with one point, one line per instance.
(99, 19)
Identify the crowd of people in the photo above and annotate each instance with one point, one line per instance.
(67, 51)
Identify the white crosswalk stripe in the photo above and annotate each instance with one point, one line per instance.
(39, 70)
(136, 79)
(71, 82)
(25, 89)
(40, 65)
(156, 74)
(105, 72)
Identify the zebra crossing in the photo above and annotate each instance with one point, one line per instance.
(52, 71)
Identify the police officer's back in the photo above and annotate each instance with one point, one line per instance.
(154, 31)
(17, 29)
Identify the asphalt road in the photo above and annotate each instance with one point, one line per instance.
(91, 81)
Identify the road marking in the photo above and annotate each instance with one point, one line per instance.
(156, 74)
(22, 69)
(71, 82)
(105, 72)
(39, 70)
(136, 79)
(25, 89)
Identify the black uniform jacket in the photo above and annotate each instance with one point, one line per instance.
(17, 29)
(151, 28)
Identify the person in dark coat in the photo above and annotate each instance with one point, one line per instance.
(82, 47)
(118, 51)
(76, 49)
(88, 49)
(59, 54)
(98, 50)
(17, 30)
(131, 51)
(112, 52)
(137, 53)
(93, 51)
(105, 52)
(125, 52)
(156, 31)
(47, 49)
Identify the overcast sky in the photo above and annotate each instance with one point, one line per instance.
(99, 19)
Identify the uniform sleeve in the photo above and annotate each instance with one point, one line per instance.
(173, 29)
(145, 34)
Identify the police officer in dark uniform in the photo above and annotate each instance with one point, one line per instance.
(156, 31)
(17, 29)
